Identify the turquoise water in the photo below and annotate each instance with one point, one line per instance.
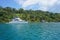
(30, 31)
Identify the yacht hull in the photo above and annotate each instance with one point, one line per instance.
(18, 22)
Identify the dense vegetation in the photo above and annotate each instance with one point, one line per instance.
(7, 13)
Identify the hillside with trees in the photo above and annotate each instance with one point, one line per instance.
(8, 13)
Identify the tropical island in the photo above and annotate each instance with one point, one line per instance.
(8, 13)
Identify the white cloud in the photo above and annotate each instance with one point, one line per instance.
(43, 4)
(19, 1)
(29, 2)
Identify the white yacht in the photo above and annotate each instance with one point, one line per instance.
(17, 20)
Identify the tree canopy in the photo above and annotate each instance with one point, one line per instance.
(8, 13)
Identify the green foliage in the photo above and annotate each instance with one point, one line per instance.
(8, 13)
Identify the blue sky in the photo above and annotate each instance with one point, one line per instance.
(9, 3)
(45, 5)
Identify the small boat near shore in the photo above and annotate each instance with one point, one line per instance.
(18, 20)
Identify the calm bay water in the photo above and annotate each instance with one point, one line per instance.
(30, 31)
